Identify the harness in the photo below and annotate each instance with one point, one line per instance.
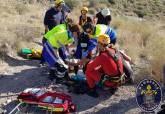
(120, 77)
(82, 21)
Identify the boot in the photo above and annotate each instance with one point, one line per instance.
(162, 109)
(113, 90)
(93, 93)
(163, 106)
(60, 80)
(41, 64)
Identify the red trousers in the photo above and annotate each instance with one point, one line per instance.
(94, 77)
(101, 64)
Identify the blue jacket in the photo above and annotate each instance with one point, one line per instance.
(112, 34)
(85, 46)
(104, 29)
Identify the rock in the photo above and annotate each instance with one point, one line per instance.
(8, 101)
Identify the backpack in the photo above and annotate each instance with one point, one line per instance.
(30, 53)
(120, 78)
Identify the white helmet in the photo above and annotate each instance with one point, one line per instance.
(105, 12)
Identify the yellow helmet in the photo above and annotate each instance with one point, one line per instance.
(84, 9)
(104, 39)
(58, 2)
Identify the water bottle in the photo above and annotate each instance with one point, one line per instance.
(71, 69)
(80, 74)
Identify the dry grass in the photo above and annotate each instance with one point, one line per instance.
(20, 23)
(144, 41)
(140, 8)
(155, 53)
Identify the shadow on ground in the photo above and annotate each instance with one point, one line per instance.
(17, 62)
(37, 77)
(119, 108)
(21, 80)
(23, 108)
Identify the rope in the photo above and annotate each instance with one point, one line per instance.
(16, 108)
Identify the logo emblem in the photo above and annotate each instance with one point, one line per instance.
(148, 95)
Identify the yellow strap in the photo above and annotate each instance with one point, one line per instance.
(83, 22)
(52, 109)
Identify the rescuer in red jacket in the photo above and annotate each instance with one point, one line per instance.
(107, 67)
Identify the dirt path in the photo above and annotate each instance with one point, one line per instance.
(17, 74)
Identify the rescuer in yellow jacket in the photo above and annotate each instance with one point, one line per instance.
(62, 37)
(94, 31)
(56, 39)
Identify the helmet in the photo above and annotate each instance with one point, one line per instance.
(105, 12)
(84, 9)
(104, 39)
(58, 2)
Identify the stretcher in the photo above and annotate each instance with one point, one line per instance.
(50, 101)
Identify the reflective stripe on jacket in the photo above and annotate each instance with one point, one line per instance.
(59, 34)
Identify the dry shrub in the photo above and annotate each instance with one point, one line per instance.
(129, 42)
(8, 10)
(155, 53)
(27, 33)
(21, 8)
(111, 1)
(32, 1)
(18, 45)
(3, 51)
(21, 22)
(129, 36)
(140, 13)
(144, 42)
(11, 44)
(92, 11)
(73, 3)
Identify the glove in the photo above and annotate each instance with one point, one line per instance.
(67, 55)
(60, 61)
(85, 54)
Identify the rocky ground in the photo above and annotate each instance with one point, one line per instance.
(17, 74)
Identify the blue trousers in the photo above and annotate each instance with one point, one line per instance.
(49, 56)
